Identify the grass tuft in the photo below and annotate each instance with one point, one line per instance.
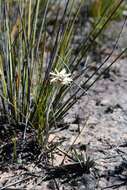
(38, 62)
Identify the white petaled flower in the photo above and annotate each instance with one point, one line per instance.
(61, 77)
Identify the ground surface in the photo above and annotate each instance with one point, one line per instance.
(105, 132)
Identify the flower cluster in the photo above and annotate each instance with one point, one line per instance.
(61, 77)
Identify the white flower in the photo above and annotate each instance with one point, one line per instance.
(61, 77)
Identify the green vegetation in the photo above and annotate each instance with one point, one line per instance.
(36, 77)
(98, 7)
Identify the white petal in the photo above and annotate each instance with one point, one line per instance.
(53, 74)
(53, 80)
(63, 72)
(68, 74)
